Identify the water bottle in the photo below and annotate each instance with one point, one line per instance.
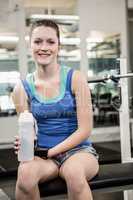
(27, 136)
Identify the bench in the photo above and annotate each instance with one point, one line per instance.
(111, 177)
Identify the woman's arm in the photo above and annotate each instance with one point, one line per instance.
(84, 115)
(20, 98)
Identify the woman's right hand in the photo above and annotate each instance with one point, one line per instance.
(16, 144)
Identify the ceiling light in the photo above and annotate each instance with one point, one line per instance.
(70, 41)
(8, 38)
(56, 17)
(11, 39)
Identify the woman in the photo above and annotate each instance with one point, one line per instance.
(60, 101)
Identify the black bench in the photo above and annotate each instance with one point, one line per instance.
(110, 177)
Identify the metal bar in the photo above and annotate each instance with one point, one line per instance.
(97, 79)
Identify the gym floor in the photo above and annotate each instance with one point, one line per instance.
(109, 153)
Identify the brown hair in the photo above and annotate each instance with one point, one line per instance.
(47, 23)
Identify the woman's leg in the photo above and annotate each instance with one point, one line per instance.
(30, 174)
(77, 170)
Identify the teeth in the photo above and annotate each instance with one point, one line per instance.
(44, 54)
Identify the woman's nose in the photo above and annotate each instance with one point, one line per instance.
(44, 46)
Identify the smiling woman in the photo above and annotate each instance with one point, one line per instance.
(60, 101)
(45, 45)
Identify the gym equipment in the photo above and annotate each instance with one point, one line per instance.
(105, 78)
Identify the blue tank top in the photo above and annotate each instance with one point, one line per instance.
(56, 118)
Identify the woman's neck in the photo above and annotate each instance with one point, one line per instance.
(47, 72)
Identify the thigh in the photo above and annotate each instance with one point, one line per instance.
(81, 164)
(38, 169)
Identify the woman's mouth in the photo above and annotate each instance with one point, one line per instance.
(44, 55)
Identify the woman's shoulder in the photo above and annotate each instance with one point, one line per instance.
(19, 97)
(18, 87)
(78, 79)
(79, 76)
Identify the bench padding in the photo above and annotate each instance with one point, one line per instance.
(110, 175)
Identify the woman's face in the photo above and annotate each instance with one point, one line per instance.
(44, 45)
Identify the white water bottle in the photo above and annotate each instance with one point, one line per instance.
(27, 136)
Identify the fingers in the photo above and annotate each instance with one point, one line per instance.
(16, 144)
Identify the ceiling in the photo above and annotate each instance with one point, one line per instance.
(8, 8)
(62, 7)
(57, 7)
(55, 4)
(8, 13)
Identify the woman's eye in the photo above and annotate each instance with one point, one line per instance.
(37, 41)
(51, 42)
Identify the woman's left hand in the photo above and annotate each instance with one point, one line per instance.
(50, 153)
(53, 152)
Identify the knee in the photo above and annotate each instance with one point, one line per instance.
(75, 180)
(25, 181)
